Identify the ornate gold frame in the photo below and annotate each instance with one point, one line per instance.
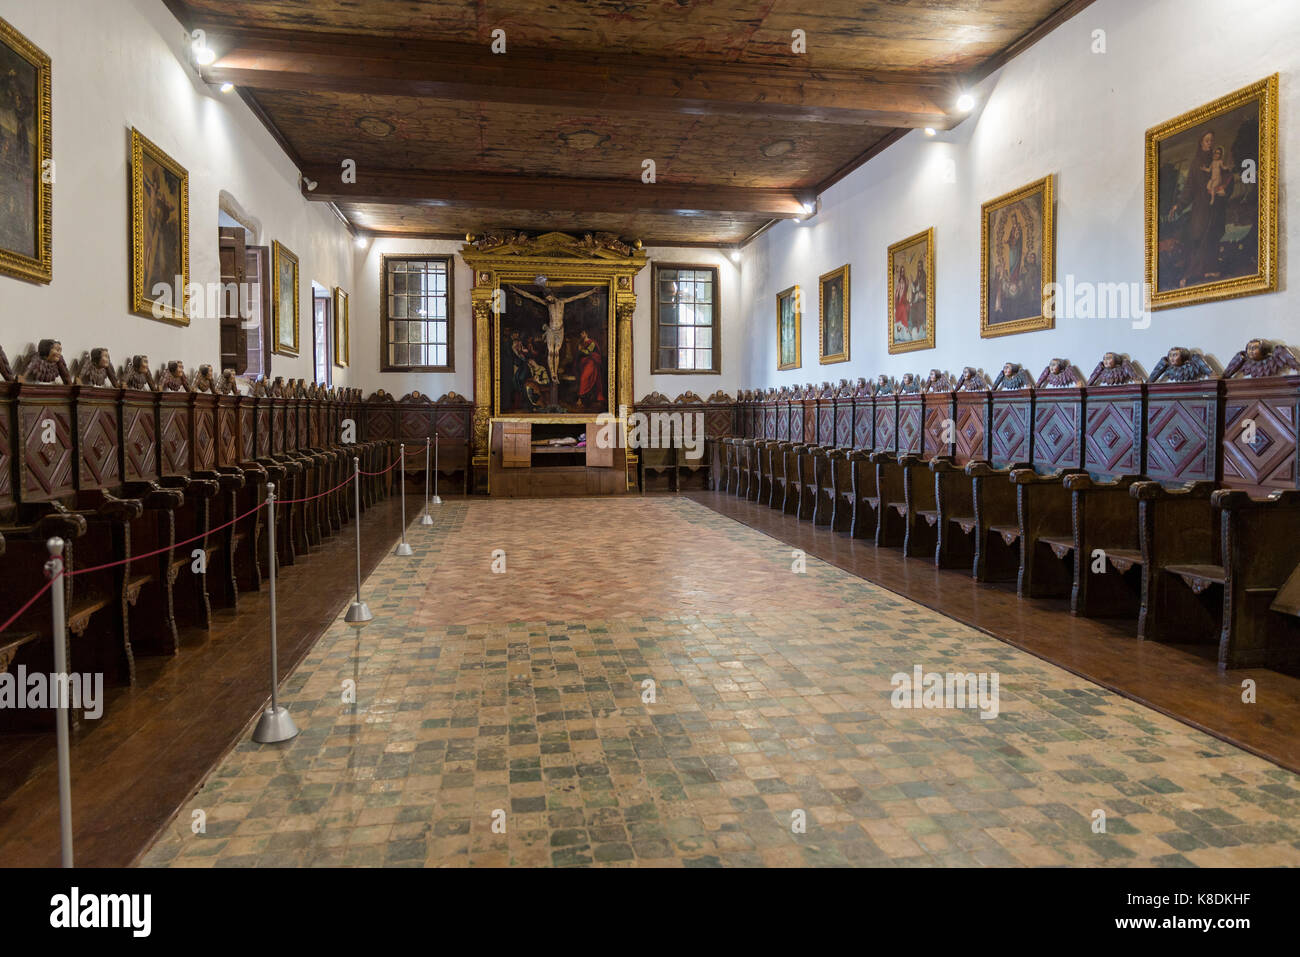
(926, 236)
(38, 268)
(564, 259)
(140, 303)
(279, 250)
(822, 358)
(342, 329)
(798, 328)
(1046, 256)
(1265, 280)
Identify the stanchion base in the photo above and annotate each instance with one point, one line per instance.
(426, 519)
(358, 611)
(274, 725)
(403, 549)
(436, 500)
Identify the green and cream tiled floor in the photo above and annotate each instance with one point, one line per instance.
(500, 719)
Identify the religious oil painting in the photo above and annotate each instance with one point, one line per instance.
(26, 164)
(1017, 261)
(284, 299)
(342, 329)
(911, 293)
(833, 324)
(1211, 200)
(788, 318)
(553, 342)
(160, 233)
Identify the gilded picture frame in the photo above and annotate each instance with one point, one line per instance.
(1018, 260)
(284, 266)
(833, 316)
(910, 310)
(26, 181)
(160, 233)
(342, 329)
(789, 319)
(1211, 200)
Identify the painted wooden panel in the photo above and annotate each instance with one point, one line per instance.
(1116, 431)
(1259, 434)
(45, 450)
(1011, 429)
(1058, 436)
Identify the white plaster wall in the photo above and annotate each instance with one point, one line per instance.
(1058, 108)
(124, 63)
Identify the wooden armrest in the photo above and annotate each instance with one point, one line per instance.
(1152, 491)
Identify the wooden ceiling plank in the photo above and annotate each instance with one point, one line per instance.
(264, 61)
(503, 191)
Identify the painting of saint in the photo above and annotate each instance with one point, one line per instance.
(833, 329)
(1212, 200)
(25, 196)
(1017, 261)
(911, 293)
(788, 319)
(284, 299)
(553, 348)
(160, 262)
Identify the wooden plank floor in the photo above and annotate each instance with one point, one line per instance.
(1182, 682)
(156, 742)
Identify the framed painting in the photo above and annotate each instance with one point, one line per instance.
(553, 342)
(1017, 261)
(1211, 200)
(789, 347)
(833, 316)
(911, 293)
(342, 330)
(160, 233)
(26, 163)
(284, 299)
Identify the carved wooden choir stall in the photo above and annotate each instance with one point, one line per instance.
(1173, 500)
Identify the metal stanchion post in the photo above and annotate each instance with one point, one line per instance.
(359, 611)
(275, 724)
(54, 570)
(435, 500)
(426, 518)
(402, 547)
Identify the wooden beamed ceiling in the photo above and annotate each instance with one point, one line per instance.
(448, 137)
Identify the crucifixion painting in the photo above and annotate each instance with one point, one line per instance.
(571, 332)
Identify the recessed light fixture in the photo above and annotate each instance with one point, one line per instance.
(735, 255)
(361, 242)
(965, 102)
(227, 87)
(929, 131)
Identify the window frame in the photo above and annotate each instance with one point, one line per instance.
(384, 319)
(716, 346)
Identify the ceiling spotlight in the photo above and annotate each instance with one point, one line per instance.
(735, 255)
(798, 219)
(227, 87)
(309, 183)
(809, 208)
(204, 55)
(965, 102)
(361, 242)
(929, 131)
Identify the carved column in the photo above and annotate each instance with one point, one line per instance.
(481, 302)
(625, 307)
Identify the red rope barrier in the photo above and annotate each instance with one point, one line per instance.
(158, 551)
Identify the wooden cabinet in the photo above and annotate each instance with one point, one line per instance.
(519, 469)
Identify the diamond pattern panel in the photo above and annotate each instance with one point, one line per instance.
(205, 445)
(862, 415)
(175, 441)
(6, 461)
(140, 446)
(825, 423)
(783, 423)
(810, 423)
(227, 436)
(887, 428)
(46, 466)
(971, 428)
(1180, 440)
(262, 436)
(769, 422)
(717, 422)
(1114, 438)
(796, 423)
(844, 425)
(1056, 435)
(909, 427)
(379, 424)
(1265, 462)
(1010, 431)
(97, 442)
(938, 418)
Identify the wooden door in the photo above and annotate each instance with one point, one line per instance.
(234, 337)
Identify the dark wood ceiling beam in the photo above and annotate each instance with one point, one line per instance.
(504, 191)
(267, 60)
